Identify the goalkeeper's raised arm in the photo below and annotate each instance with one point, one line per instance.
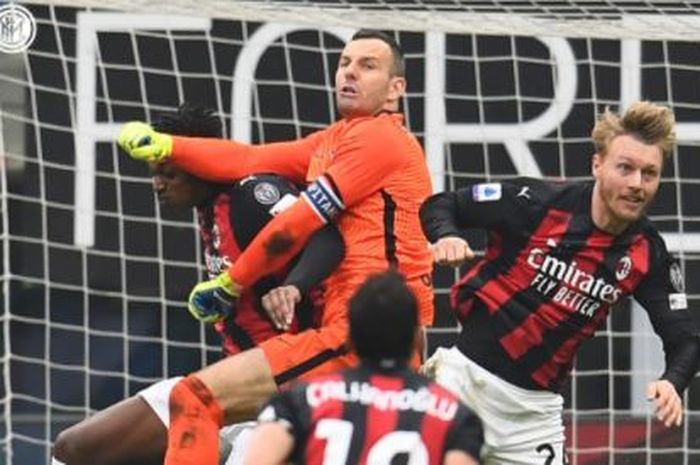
(218, 160)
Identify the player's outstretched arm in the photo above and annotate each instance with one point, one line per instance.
(662, 296)
(218, 160)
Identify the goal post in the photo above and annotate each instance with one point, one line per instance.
(96, 272)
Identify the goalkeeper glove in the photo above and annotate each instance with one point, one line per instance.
(212, 301)
(141, 142)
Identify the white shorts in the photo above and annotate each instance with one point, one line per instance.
(157, 396)
(521, 426)
(233, 439)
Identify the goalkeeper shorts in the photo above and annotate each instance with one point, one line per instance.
(313, 352)
(324, 350)
(309, 353)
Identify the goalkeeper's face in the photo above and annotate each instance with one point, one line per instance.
(364, 81)
(177, 188)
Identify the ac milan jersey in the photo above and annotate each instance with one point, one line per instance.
(360, 415)
(227, 224)
(549, 277)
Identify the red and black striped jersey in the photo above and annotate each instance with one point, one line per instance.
(362, 414)
(227, 224)
(549, 277)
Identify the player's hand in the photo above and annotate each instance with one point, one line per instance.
(451, 251)
(142, 143)
(212, 301)
(279, 304)
(669, 405)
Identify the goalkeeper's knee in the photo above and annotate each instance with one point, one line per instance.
(191, 398)
(195, 419)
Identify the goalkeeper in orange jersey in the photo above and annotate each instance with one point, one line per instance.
(229, 215)
(367, 174)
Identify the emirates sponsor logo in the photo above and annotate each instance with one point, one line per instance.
(570, 286)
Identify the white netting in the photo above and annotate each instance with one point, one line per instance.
(661, 20)
(95, 274)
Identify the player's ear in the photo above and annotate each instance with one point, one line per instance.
(397, 87)
(596, 161)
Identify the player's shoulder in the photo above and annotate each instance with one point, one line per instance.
(547, 187)
(647, 230)
(381, 126)
(252, 182)
(262, 190)
(525, 190)
(558, 193)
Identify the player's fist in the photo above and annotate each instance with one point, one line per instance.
(212, 301)
(141, 142)
(279, 304)
(451, 250)
(668, 404)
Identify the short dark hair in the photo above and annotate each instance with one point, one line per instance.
(399, 68)
(383, 318)
(191, 121)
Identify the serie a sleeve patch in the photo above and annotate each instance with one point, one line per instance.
(487, 192)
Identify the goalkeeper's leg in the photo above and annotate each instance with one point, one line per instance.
(233, 389)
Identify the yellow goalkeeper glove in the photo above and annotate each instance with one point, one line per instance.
(214, 300)
(142, 143)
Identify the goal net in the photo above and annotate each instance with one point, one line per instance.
(95, 273)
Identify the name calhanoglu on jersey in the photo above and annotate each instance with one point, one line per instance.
(420, 400)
